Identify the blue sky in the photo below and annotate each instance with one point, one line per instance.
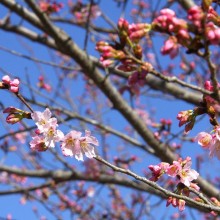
(20, 67)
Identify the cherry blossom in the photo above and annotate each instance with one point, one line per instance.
(51, 134)
(43, 118)
(38, 144)
(211, 142)
(73, 144)
(204, 139)
(181, 168)
(158, 170)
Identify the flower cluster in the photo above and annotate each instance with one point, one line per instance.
(47, 133)
(210, 141)
(128, 52)
(180, 169)
(129, 35)
(196, 15)
(50, 7)
(168, 22)
(13, 85)
(81, 11)
(72, 144)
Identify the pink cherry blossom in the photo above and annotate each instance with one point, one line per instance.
(211, 142)
(43, 118)
(181, 168)
(158, 170)
(38, 144)
(52, 135)
(204, 139)
(75, 145)
(186, 173)
(174, 169)
(215, 149)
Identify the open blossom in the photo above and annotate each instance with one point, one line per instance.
(38, 144)
(52, 135)
(47, 127)
(73, 144)
(181, 168)
(43, 118)
(215, 149)
(211, 142)
(204, 139)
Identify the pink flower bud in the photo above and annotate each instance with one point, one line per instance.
(14, 89)
(123, 24)
(168, 12)
(170, 47)
(14, 118)
(208, 86)
(181, 204)
(15, 82)
(6, 79)
(12, 109)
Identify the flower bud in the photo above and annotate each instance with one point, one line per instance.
(12, 109)
(6, 79)
(14, 118)
(16, 115)
(123, 25)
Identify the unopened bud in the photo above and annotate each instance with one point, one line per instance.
(14, 118)
(137, 51)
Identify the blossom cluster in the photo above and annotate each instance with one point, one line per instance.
(128, 52)
(180, 169)
(81, 11)
(50, 7)
(13, 85)
(208, 106)
(181, 32)
(72, 144)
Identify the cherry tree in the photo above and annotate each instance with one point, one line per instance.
(109, 109)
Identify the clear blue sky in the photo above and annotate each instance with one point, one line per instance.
(21, 67)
